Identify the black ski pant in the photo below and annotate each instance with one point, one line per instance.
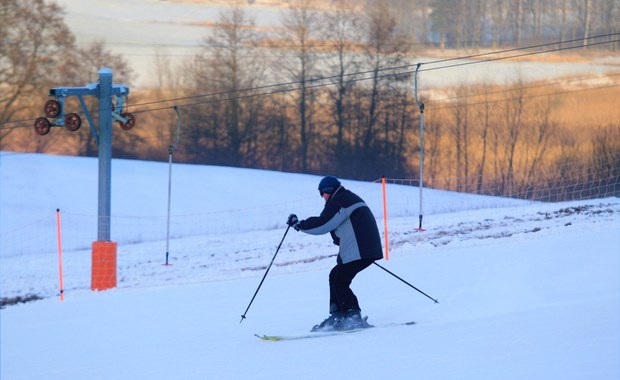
(341, 297)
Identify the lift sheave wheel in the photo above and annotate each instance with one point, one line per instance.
(42, 126)
(51, 109)
(73, 122)
(131, 121)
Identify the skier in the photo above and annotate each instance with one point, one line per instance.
(354, 229)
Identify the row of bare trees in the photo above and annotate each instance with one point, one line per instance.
(509, 144)
(493, 23)
(39, 52)
(353, 121)
(337, 108)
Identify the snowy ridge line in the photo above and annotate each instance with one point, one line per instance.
(554, 218)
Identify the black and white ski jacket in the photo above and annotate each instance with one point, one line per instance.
(351, 224)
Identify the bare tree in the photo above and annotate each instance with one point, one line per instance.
(563, 6)
(610, 11)
(566, 166)
(342, 29)
(411, 18)
(539, 139)
(433, 148)
(236, 67)
(35, 42)
(38, 52)
(300, 24)
(498, 15)
(227, 68)
(587, 21)
(168, 80)
(460, 136)
(606, 159)
(443, 16)
(384, 48)
(484, 115)
(513, 114)
(516, 16)
(278, 150)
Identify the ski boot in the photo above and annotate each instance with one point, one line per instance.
(352, 320)
(332, 323)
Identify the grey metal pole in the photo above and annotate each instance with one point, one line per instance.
(170, 153)
(105, 154)
(421, 106)
(421, 166)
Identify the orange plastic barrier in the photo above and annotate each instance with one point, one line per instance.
(385, 222)
(103, 265)
(59, 229)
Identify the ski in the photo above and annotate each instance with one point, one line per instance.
(277, 338)
(321, 334)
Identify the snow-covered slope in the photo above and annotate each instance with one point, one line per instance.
(526, 290)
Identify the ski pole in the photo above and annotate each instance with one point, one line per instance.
(265, 275)
(405, 282)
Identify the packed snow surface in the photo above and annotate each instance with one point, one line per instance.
(526, 290)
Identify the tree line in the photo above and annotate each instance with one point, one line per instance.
(343, 109)
(494, 23)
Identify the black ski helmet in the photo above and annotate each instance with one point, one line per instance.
(329, 185)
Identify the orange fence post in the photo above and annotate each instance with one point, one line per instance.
(103, 265)
(62, 289)
(385, 224)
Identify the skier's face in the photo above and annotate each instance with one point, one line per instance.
(325, 196)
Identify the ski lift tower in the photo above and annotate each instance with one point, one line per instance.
(111, 98)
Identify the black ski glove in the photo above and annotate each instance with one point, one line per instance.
(293, 221)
